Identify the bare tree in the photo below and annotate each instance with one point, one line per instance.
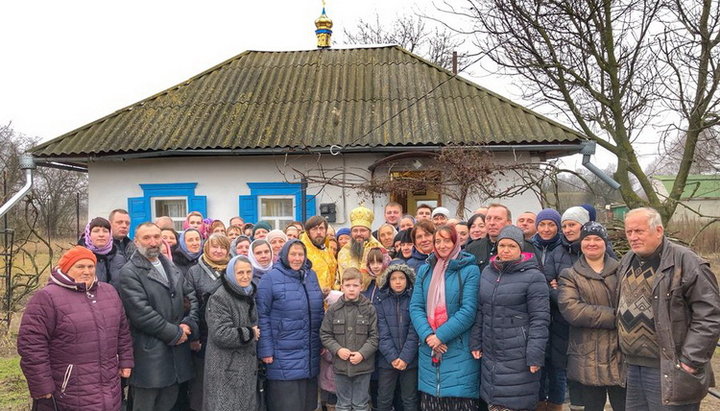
(613, 67)
(706, 158)
(411, 33)
(54, 192)
(456, 172)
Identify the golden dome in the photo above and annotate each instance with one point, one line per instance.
(324, 30)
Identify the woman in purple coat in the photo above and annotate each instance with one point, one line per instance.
(74, 339)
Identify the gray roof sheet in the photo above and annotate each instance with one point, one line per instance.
(360, 97)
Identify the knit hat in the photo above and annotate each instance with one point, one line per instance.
(441, 210)
(576, 213)
(262, 224)
(548, 214)
(342, 231)
(74, 255)
(273, 234)
(591, 211)
(594, 228)
(362, 217)
(513, 233)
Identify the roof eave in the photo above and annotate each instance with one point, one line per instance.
(79, 161)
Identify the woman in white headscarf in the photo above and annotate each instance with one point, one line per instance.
(261, 259)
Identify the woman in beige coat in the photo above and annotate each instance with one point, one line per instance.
(587, 301)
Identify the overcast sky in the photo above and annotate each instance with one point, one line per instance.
(67, 63)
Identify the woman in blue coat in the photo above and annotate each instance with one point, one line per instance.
(511, 329)
(290, 311)
(442, 310)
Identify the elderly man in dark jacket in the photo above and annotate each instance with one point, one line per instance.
(668, 318)
(153, 292)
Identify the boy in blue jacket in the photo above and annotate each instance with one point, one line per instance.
(397, 359)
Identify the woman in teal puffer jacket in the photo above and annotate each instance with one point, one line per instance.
(442, 310)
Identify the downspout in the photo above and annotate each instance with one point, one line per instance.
(28, 164)
(588, 149)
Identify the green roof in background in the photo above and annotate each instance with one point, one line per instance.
(698, 186)
(360, 97)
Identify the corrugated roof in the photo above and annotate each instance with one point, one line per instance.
(361, 97)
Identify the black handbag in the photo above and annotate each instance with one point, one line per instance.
(260, 388)
(44, 404)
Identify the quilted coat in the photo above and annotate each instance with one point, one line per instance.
(156, 309)
(417, 259)
(290, 311)
(73, 341)
(588, 301)
(561, 258)
(511, 330)
(398, 338)
(458, 373)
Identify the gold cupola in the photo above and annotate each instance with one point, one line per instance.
(324, 29)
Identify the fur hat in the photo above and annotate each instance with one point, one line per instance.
(409, 273)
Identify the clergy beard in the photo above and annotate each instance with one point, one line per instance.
(357, 247)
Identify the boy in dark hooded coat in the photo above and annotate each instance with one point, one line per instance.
(398, 346)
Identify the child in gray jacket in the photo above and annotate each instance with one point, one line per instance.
(349, 332)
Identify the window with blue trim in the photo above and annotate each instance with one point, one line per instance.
(157, 199)
(273, 201)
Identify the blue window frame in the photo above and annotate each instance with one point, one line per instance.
(140, 208)
(248, 204)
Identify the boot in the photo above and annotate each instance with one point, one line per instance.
(551, 406)
(542, 406)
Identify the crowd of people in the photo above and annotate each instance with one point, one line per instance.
(422, 312)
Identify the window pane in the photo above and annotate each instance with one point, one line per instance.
(176, 208)
(277, 207)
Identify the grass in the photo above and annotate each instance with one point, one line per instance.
(14, 394)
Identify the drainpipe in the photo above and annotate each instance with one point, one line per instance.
(588, 149)
(28, 164)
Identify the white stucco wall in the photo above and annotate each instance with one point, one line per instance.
(223, 179)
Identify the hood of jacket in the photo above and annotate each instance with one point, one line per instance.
(463, 260)
(57, 277)
(582, 267)
(418, 255)
(527, 261)
(382, 281)
(572, 248)
(540, 244)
